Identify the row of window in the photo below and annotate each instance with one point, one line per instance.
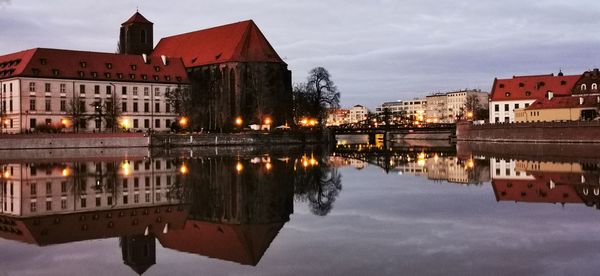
(82, 89)
(98, 123)
(594, 87)
(507, 107)
(4, 87)
(82, 106)
(83, 202)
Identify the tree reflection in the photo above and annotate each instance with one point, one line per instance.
(319, 185)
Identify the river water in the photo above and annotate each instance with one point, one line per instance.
(356, 209)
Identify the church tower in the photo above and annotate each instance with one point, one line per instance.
(136, 36)
(139, 252)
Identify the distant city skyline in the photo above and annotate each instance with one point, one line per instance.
(376, 52)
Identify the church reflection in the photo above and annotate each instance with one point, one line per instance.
(227, 207)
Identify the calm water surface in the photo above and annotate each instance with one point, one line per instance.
(353, 210)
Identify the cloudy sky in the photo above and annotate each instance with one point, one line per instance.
(378, 50)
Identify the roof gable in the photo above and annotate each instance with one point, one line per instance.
(137, 18)
(237, 42)
(531, 87)
(565, 102)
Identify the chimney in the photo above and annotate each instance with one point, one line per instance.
(580, 100)
(550, 95)
(145, 57)
(164, 59)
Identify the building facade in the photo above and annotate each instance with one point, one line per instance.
(234, 72)
(48, 87)
(357, 114)
(521, 91)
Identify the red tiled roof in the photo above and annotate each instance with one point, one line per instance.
(237, 42)
(68, 64)
(564, 102)
(137, 18)
(535, 190)
(240, 243)
(518, 87)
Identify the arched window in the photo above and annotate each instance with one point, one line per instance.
(583, 87)
(143, 36)
(594, 86)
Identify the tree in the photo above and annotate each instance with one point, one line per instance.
(314, 97)
(76, 113)
(181, 102)
(472, 103)
(112, 112)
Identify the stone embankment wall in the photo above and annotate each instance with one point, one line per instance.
(235, 139)
(543, 132)
(528, 151)
(71, 141)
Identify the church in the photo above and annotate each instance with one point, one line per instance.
(232, 76)
(234, 72)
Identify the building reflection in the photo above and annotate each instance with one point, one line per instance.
(546, 181)
(434, 163)
(228, 207)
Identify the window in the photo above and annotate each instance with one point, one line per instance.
(32, 87)
(136, 198)
(594, 86)
(124, 90)
(33, 207)
(33, 189)
(135, 107)
(109, 201)
(583, 87)
(146, 91)
(98, 202)
(125, 183)
(146, 123)
(124, 107)
(63, 204)
(63, 88)
(136, 123)
(83, 64)
(516, 106)
(32, 104)
(43, 61)
(496, 107)
(125, 200)
(46, 87)
(146, 107)
(506, 107)
(108, 90)
(157, 92)
(136, 182)
(507, 94)
(94, 75)
(135, 91)
(167, 124)
(526, 105)
(157, 123)
(108, 65)
(168, 108)
(48, 205)
(63, 187)
(48, 105)
(63, 105)
(82, 89)
(32, 123)
(96, 89)
(83, 203)
(156, 107)
(501, 85)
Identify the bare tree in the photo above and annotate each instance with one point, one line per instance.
(76, 112)
(317, 95)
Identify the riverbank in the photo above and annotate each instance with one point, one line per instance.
(540, 132)
(139, 140)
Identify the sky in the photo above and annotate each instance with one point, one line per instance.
(376, 51)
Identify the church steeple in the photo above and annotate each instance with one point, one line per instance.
(136, 35)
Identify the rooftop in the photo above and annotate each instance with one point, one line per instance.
(532, 87)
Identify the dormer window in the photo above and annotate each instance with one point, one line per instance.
(168, 78)
(133, 67)
(107, 75)
(35, 71)
(528, 93)
(583, 87)
(144, 77)
(83, 64)
(156, 78)
(594, 86)
(43, 61)
(120, 75)
(108, 65)
(178, 79)
(132, 76)
(157, 68)
(501, 85)
(55, 72)
(521, 84)
(94, 75)
(81, 74)
(507, 94)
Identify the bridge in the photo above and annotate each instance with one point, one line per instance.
(398, 132)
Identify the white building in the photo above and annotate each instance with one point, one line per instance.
(357, 113)
(447, 107)
(40, 86)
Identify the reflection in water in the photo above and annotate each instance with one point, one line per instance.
(228, 207)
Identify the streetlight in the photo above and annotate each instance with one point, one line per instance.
(268, 121)
(183, 122)
(239, 121)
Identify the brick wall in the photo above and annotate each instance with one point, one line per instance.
(545, 132)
